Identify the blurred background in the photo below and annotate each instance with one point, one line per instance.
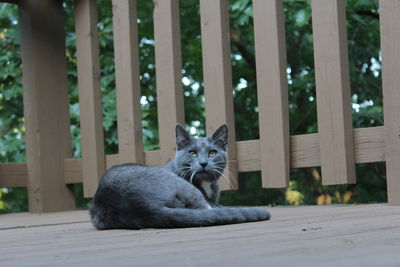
(305, 184)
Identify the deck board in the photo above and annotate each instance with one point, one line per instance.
(339, 235)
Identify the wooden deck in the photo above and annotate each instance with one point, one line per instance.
(356, 235)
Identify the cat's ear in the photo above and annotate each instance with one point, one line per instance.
(220, 136)
(182, 137)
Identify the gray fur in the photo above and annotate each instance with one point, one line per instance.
(134, 196)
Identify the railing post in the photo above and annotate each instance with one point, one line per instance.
(88, 63)
(127, 81)
(170, 104)
(332, 78)
(272, 89)
(217, 71)
(390, 45)
(45, 104)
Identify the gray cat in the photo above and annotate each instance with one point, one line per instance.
(182, 193)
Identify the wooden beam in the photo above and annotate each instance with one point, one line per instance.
(369, 147)
(127, 71)
(170, 105)
(13, 175)
(304, 149)
(333, 92)
(272, 89)
(217, 71)
(91, 114)
(390, 44)
(46, 103)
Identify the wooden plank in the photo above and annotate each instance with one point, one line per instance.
(91, 115)
(48, 140)
(390, 44)
(153, 158)
(73, 171)
(127, 71)
(217, 73)
(73, 167)
(304, 149)
(22, 220)
(272, 89)
(311, 235)
(369, 147)
(13, 175)
(369, 144)
(170, 104)
(333, 91)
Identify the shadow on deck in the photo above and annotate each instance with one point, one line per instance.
(337, 235)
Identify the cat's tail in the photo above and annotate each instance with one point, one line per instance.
(177, 217)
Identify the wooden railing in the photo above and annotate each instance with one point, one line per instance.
(337, 147)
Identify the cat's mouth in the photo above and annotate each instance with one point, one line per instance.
(203, 176)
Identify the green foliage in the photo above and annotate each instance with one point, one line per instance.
(11, 113)
(305, 186)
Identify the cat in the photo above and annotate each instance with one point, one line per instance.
(182, 193)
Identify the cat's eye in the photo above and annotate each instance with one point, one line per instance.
(193, 154)
(212, 153)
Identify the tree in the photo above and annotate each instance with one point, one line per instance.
(305, 185)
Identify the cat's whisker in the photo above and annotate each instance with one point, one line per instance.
(223, 170)
(184, 170)
(214, 174)
(217, 174)
(224, 174)
(191, 177)
(183, 175)
(220, 174)
(224, 177)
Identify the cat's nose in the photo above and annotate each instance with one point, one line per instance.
(203, 164)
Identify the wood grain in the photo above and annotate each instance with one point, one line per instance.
(304, 149)
(170, 106)
(333, 92)
(90, 100)
(337, 235)
(272, 88)
(130, 143)
(369, 148)
(13, 175)
(390, 43)
(217, 71)
(46, 112)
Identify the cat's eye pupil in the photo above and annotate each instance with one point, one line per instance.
(193, 153)
(212, 153)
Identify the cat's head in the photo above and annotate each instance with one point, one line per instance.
(202, 158)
